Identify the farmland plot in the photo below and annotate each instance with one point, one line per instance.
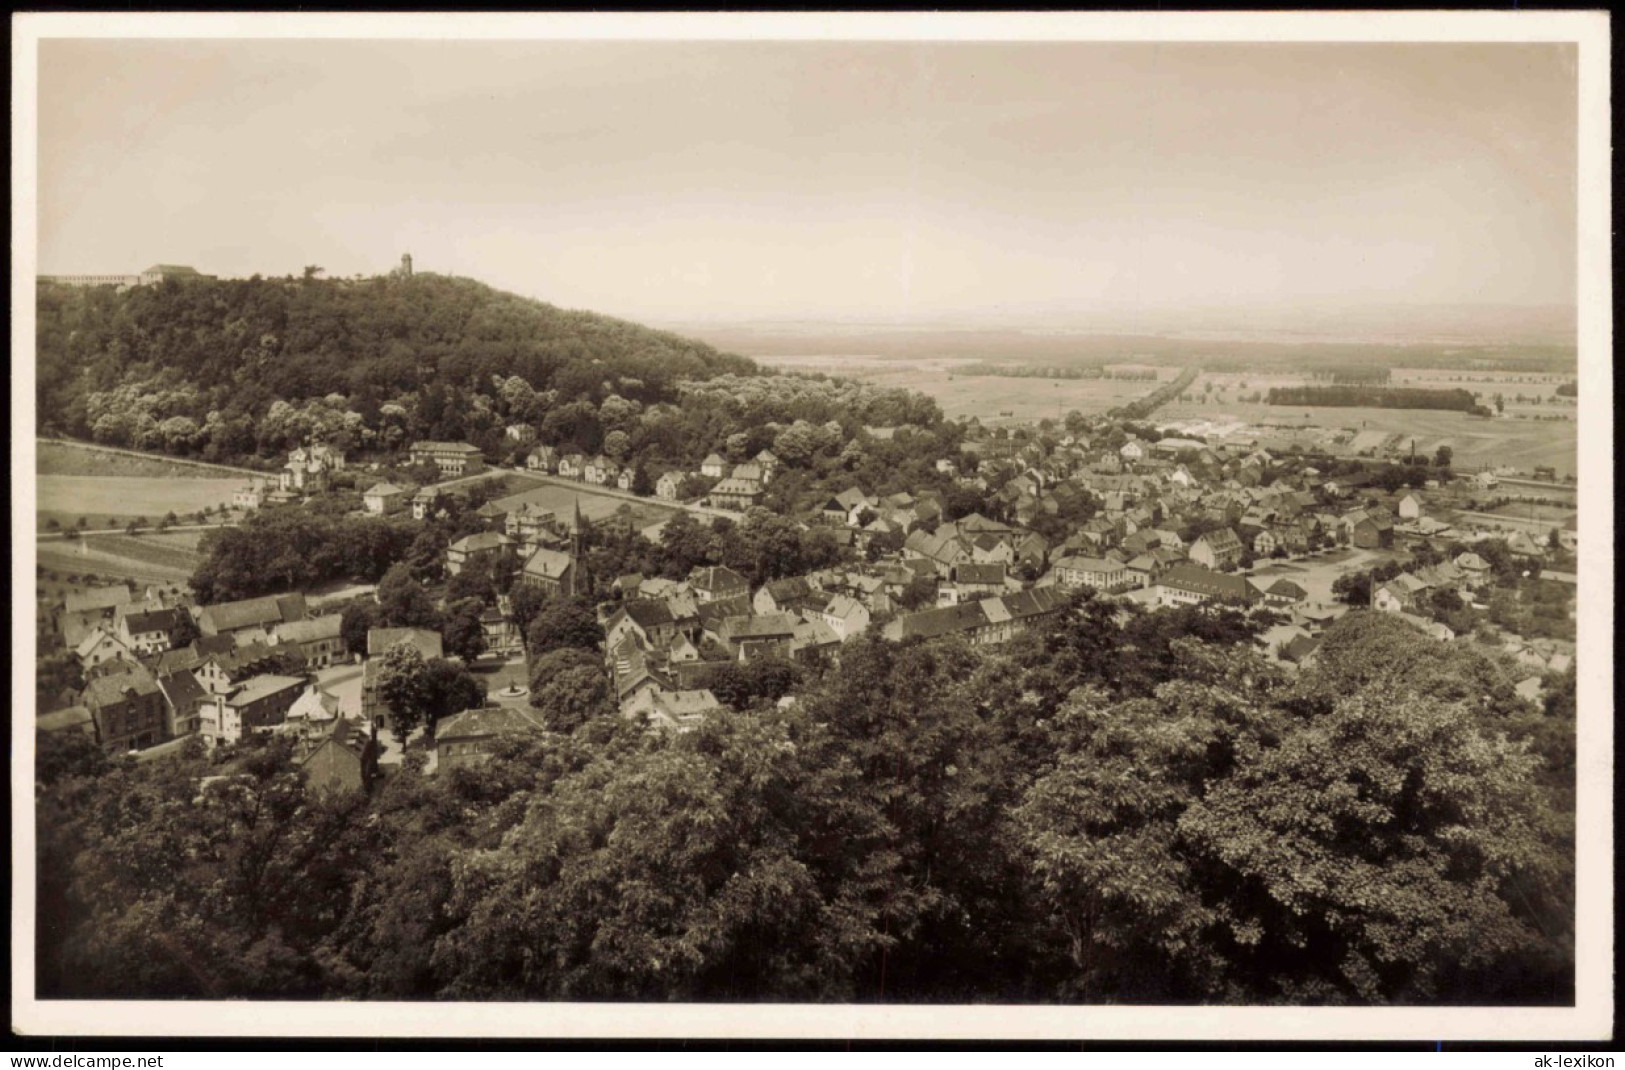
(987, 397)
(123, 498)
(1474, 441)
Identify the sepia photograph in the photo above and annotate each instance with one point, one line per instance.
(872, 525)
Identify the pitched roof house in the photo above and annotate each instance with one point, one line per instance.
(467, 739)
(711, 584)
(251, 614)
(1216, 549)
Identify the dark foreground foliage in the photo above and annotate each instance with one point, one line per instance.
(1126, 809)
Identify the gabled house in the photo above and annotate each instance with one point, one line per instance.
(736, 494)
(344, 759)
(1216, 549)
(425, 502)
(969, 582)
(749, 638)
(532, 525)
(668, 486)
(1098, 573)
(1400, 594)
(466, 739)
(990, 622)
(319, 641)
(128, 708)
(1141, 571)
(1283, 592)
(384, 499)
(252, 619)
(83, 610)
(651, 621)
(600, 471)
(542, 459)
(713, 584)
(778, 596)
(1375, 531)
(101, 648)
(184, 699)
(844, 615)
(555, 572)
(713, 467)
(150, 632)
(943, 549)
(500, 631)
(257, 705)
(482, 546)
(989, 549)
(1193, 584)
(1142, 541)
(218, 673)
(1300, 651)
(671, 711)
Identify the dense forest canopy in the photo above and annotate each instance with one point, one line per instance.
(199, 367)
(241, 372)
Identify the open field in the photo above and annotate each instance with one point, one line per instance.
(180, 540)
(1523, 394)
(148, 550)
(1554, 514)
(55, 458)
(66, 498)
(987, 397)
(1474, 440)
(169, 558)
(594, 506)
(76, 558)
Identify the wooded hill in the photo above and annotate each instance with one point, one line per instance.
(196, 367)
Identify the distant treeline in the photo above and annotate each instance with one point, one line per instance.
(1139, 410)
(1373, 397)
(1353, 373)
(1028, 371)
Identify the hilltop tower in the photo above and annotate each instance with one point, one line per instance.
(406, 265)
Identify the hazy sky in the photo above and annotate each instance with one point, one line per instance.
(677, 180)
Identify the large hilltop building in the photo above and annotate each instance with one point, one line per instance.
(150, 277)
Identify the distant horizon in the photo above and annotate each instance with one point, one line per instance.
(830, 180)
(1439, 322)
